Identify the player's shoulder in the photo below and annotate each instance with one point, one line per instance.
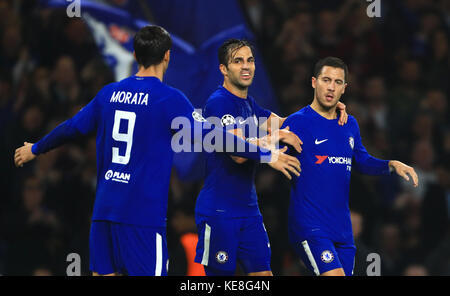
(218, 96)
(253, 101)
(114, 86)
(300, 115)
(123, 83)
(155, 86)
(297, 119)
(111, 85)
(174, 92)
(105, 92)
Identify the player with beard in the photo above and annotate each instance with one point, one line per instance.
(133, 121)
(230, 224)
(320, 228)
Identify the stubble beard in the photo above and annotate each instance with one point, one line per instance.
(326, 107)
(236, 83)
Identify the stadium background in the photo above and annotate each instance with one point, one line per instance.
(50, 66)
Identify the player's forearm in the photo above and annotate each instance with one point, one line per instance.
(263, 142)
(245, 149)
(57, 137)
(230, 143)
(241, 160)
(370, 165)
(273, 123)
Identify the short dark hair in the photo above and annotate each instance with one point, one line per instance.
(230, 46)
(150, 44)
(331, 62)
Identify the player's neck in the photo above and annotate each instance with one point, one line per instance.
(152, 71)
(327, 113)
(238, 92)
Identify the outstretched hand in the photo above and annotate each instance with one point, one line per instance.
(23, 154)
(290, 138)
(285, 163)
(285, 136)
(404, 170)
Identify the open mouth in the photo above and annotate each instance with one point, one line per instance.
(329, 97)
(246, 76)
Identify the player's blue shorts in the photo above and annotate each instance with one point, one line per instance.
(320, 254)
(128, 249)
(223, 242)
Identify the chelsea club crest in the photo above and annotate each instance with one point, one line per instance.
(221, 257)
(351, 142)
(327, 256)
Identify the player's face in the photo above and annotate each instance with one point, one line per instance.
(329, 86)
(241, 68)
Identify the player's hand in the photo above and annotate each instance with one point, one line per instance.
(404, 170)
(288, 137)
(285, 163)
(23, 154)
(343, 113)
(281, 135)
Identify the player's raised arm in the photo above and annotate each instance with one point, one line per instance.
(272, 123)
(276, 122)
(279, 160)
(190, 125)
(270, 141)
(234, 145)
(284, 135)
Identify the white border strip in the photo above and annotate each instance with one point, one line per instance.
(310, 257)
(205, 257)
(158, 267)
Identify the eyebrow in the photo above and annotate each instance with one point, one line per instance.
(241, 58)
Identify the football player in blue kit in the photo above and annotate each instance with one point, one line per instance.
(320, 228)
(229, 222)
(133, 121)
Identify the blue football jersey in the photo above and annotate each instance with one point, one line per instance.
(229, 187)
(133, 120)
(320, 195)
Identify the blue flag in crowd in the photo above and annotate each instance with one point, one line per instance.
(197, 27)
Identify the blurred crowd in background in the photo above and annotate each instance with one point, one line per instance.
(398, 90)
